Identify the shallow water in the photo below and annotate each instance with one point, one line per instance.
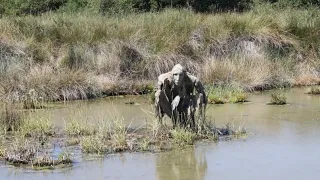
(284, 143)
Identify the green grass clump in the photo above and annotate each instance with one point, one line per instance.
(10, 118)
(183, 137)
(144, 144)
(216, 98)
(94, 144)
(224, 94)
(313, 90)
(119, 135)
(238, 96)
(36, 126)
(217, 95)
(79, 128)
(278, 98)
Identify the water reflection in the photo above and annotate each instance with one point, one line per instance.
(284, 145)
(186, 164)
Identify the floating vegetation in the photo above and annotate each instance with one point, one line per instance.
(238, 97)
(278, 98)
(224, 94)
(313, 90)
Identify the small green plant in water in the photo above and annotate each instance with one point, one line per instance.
(238, 96)
(278, 98)
(223, 94)
(216, 98)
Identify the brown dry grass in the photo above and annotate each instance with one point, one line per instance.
(65, 56)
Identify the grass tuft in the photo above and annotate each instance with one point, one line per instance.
(278, 98)
(93, 144)
(77, 128)
(224, 94)
(118, 136)
(10, 118)
(313, 90)
(36, 126)
(183, 137)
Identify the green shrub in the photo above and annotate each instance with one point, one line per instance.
(35, 7)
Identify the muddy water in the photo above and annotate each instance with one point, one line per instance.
(284, 143)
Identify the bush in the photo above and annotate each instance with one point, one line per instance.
(36, 7)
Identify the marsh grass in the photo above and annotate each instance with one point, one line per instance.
(183, 137)
(119, 135)
(2, 152)
(94, 145)
(77, 56)
(27, 152)
(144, 144)
(238, 96)
(32, 100)
(236, 131)
(278, 98)
(46, 161)
(36, 126)
(2, 148)
(217, 95)
(80, 128)
(109, 137)
(72, 141)
(217, 98)
(10, 118)
(224, 94)
(313, 90)
(21, 151)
